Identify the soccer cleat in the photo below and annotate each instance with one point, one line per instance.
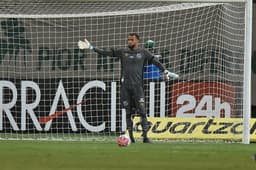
(146, 140)
(132, 139)
(131, 136)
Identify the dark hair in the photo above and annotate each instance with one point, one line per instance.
(135, 34)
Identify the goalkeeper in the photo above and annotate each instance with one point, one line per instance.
(132, 59)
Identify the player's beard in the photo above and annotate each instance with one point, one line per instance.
(131, 46)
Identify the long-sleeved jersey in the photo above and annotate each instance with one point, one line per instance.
(132, 63)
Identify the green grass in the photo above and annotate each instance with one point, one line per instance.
(40, 155)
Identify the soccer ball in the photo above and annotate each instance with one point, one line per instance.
(123, 140)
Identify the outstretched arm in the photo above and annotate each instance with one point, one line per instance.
(85, 44)
(104, 52)
(158, 64)
(167, 74)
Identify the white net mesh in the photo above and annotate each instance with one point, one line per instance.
(43, 72)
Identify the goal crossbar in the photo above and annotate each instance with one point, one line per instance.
(168, 8)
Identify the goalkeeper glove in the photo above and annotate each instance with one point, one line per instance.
(168, 75)
(85, 45)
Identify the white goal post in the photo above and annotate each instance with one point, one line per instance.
(51, 89)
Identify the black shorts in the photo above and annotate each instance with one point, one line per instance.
(131, 96)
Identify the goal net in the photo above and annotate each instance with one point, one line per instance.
(51, 89)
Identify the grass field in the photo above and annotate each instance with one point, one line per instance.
(40, 155)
